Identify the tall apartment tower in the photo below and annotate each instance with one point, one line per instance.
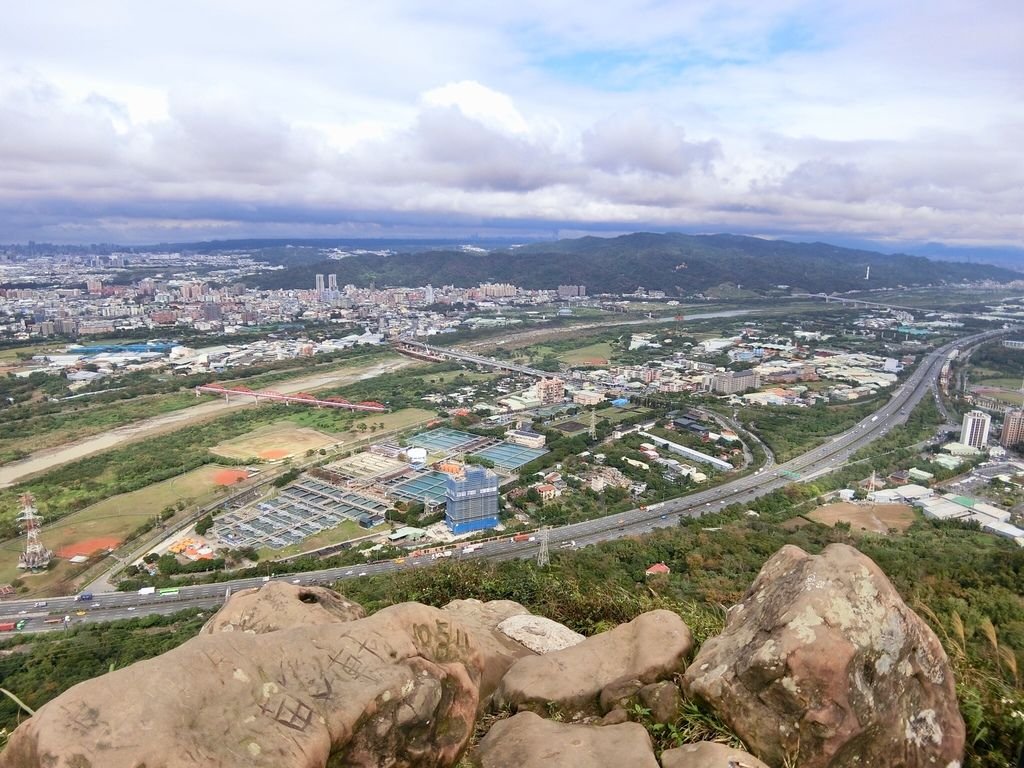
(332, 282)
(975, 429)
(1013, 428)
(471, 501)
(319, 284)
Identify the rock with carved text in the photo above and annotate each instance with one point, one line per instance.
(399, 688)
(280, 605)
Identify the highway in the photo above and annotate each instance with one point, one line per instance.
(109, 606)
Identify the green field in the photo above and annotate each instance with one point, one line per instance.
(602, 350)
(402, 419)
(116, 517)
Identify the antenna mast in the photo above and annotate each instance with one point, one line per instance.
(36, 556)
(543, 556)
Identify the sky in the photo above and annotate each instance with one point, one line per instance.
(895, 123)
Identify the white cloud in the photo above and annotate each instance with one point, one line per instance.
(871, 119)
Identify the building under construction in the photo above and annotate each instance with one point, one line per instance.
(36, 557)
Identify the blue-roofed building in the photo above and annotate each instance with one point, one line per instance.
(471, 501)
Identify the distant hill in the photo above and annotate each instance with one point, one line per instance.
(678, 264)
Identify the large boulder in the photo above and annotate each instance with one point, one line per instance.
(652, 647)
(708, 754)
(398, 688)
(539, 633)
(482, 619)
(280, 605)
(822, 663)
(529, 741)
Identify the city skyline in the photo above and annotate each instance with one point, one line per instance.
(870, 122)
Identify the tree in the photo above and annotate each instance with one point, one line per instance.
(205, 524)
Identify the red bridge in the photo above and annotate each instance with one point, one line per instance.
(301, 398)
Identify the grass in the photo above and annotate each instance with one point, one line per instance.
(1000, 381)
(470, 377)
(613, 415)
(345, 531)
(402, 419)
(115, 517)
(601, 350)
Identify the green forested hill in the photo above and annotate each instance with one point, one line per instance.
(678, 264)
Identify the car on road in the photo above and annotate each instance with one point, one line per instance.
(363, 573)
(131, 607)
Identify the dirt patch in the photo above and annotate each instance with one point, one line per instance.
(877, 518)
(230, 476)
(273, 453)
(88, 546)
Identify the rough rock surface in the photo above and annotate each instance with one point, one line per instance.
(652, 647)
(539, 634)
(822, 661)
(708, 754)
(280, 605)
(398, 688)
(663, 699)
(529, 741)
(499, 652)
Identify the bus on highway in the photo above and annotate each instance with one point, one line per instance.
(168, 592)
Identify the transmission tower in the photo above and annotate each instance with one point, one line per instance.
(36, 556)
(593, 425)
(543, 556)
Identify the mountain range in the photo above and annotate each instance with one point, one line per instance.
(675, 263)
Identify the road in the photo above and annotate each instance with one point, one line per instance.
(826, 457)
(42, 461)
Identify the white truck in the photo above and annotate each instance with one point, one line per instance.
(147, 591)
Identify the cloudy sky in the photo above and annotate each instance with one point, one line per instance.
(894, 122)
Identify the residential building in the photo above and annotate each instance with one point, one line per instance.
(471, 501)
(1013, 428)
(732, 382)
(587, 397)
(550, 391)
(975, 429)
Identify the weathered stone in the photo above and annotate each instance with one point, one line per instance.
(663, 700)
(398, 688)
(652, 647)
(619, 693)
(708, 754)
(499, 651)
(823, 662)
(280, 605)
(539, 634)
(529, 741)
(615, 717)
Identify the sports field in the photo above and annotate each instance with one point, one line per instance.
(875, 518)
(105, 524)
(274, 442)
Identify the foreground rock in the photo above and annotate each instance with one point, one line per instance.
(539, 633)
(482, 619)
(399, 689)
(652, 647)
(823, 662)
(708, 754)
(529, 741)
(280, 605)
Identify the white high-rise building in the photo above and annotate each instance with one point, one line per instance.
(975, 429)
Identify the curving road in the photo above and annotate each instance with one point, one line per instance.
(109, 606)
